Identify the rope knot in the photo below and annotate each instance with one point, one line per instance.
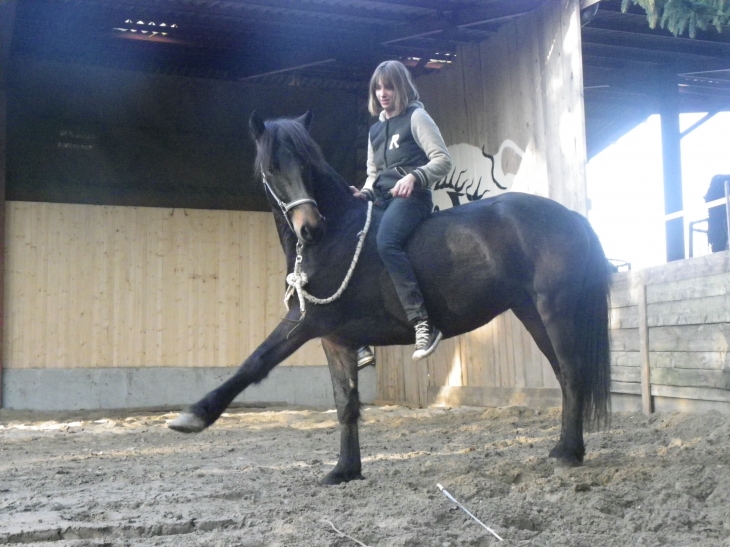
(297, 279)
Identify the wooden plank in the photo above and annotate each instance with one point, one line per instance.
(678, 377)
(690, 360)
(530, 130)
(626, 359)
(622, 297)
(87, 280)
(55, 241)
(687, 289)
(646, 403)
(698, 393)
(690, 311)
(155, 294)
(630, 388)
(19, 258)
(625, 340)
(702, 338)
(626, 374)
(551, 88)
(478, 354)
(100, 287)
(519, 358)
(510, 344)
(676, 271)
(699, 276)
(626, 317)
(691, 268)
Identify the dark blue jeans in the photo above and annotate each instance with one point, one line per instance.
(401, 217)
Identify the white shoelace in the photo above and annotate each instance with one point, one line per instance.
(422, 332)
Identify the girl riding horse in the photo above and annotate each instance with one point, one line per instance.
(406, 156)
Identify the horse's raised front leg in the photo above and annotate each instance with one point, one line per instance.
(343, 368)
(279, 345)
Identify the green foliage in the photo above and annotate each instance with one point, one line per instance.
(679, 16)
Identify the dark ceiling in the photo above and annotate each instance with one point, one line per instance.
(628, 67)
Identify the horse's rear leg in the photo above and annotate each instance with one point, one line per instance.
(343, 368)
(552, 327)
(279, 345)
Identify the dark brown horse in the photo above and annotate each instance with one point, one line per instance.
(514, 251)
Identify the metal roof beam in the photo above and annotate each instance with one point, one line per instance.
(463, 18)
(653, 43)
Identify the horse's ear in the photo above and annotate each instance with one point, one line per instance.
(256, 124)
(306, 119)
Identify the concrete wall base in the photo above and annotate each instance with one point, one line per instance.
(107, 388)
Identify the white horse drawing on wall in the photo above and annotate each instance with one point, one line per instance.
(477, 174)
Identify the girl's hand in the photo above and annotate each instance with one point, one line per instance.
(404, 186)
(357, 193)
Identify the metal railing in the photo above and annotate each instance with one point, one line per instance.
(706, 207)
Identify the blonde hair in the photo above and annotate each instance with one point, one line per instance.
(396, 74)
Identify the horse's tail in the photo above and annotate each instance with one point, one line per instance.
(592, 322)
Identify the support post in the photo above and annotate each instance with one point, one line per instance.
(727, 211)
(647, 405)
(7, 16)
(672, 163)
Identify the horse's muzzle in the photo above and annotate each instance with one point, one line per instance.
(308, 224)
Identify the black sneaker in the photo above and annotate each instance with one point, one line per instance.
(427, 338)
(365, 357)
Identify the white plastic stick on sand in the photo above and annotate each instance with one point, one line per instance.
(343, 534)
(487, 528)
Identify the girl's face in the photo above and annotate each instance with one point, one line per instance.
(385, 94)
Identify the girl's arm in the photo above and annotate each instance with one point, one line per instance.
(372, 172)
(427, 135)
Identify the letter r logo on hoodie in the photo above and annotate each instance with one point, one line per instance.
(394, 142)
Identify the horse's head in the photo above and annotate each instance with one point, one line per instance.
(287, 159)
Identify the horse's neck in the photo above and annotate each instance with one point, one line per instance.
(333, 195)
(345, 216)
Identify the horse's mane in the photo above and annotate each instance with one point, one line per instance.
(285, 129)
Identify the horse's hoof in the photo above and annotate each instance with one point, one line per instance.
(564, 457)
(187, 423)
(335, 477)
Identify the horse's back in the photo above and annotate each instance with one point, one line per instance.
(477, 260)
(510, 229)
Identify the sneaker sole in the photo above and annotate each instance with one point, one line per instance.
(366, 362)
(421, 353)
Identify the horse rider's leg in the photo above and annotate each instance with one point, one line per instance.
(527, 313)
(557, 313)
(343, 368)
(399, 221)
(279, 345)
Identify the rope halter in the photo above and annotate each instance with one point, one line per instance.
(286, 207)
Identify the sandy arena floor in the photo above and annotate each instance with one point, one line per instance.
(122, 478)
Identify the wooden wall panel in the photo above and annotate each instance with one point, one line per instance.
(102, 286)
(686, 352)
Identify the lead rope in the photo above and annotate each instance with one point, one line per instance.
(297, 279)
